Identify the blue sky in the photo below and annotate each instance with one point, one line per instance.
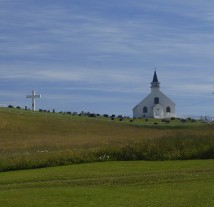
(99, 56)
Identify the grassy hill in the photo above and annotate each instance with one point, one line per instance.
(35, 139)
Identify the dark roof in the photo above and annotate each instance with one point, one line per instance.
(155, 78)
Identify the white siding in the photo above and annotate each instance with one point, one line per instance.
(164, 101)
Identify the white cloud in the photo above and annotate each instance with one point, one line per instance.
(88, 75)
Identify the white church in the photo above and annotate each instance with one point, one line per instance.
(156, 104)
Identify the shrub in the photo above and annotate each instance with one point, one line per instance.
(92, 115)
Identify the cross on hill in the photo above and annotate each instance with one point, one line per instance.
(33, 96)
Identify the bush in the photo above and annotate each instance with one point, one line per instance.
(92, 115)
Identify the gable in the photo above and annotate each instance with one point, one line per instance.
(149, 99)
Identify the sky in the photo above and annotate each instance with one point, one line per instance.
(99, 56)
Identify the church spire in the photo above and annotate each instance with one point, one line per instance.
(155, 83)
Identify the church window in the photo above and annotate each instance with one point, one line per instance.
(145, 110)
(168, 109)
(156, 100)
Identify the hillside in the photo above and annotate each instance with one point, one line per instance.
(35, 139)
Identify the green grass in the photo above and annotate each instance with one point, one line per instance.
(132, 183)
(33, 140)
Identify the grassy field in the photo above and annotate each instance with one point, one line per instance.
(34, 139)
(130, 183)
(39, 140)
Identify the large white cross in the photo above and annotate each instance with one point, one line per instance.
(33, 96)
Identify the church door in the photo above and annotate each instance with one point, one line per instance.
(158, 111)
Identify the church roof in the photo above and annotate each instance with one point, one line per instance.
(155, 78)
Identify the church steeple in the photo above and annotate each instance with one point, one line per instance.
(155, 83)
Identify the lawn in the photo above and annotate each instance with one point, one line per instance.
(130, 183)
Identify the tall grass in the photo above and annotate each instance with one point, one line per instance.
(164, 148)
(35, 140)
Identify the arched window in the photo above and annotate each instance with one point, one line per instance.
(168, 109)
(156, 100)
(145, 110)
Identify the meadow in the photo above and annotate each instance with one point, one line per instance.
(36, 139)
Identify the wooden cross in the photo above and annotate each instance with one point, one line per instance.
(33, 96)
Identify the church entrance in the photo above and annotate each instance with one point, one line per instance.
(158, 111)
